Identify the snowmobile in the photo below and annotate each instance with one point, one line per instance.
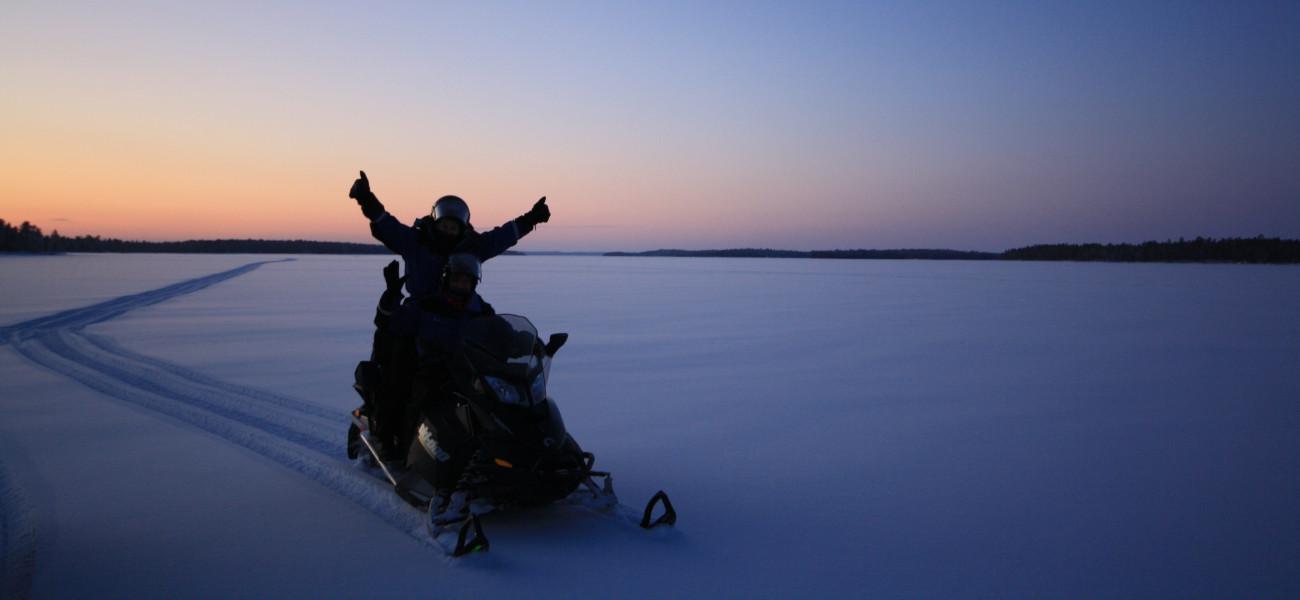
(521, 454)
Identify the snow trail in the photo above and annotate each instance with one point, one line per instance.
(78, 318)
(304, 430)
(266, 397)
(301, 436)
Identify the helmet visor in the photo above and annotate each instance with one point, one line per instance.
(450, 207)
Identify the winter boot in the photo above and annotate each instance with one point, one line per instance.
(447, 508)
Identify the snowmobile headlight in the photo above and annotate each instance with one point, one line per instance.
(538, 388)
(505, 392)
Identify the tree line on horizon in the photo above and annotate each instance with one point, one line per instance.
(1236, 250)
(29, 238)
(1258, 249)
(917, 253)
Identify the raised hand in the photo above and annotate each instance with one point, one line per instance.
(360, 188)
(540, 213)
(370, 206)
(391, 278)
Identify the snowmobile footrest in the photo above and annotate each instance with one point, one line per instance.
(479, 543)
(668, 518)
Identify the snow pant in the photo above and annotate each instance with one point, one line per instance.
(395, 426)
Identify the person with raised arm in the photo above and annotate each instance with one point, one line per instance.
(425, 244)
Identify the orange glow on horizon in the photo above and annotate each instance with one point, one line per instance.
(860, 130)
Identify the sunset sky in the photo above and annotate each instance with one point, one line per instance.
(967, 125)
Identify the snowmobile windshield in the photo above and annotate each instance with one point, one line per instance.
(505, 344)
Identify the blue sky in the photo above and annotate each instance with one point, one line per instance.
(812, 125)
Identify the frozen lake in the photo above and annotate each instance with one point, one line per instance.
(825, 428)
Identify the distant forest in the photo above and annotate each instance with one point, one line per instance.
(858, 254)
(1236, 250)
(29, 238)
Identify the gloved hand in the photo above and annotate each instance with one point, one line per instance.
(360, 188)
(540, 213)
(392, 279)
(392, 296)
(365, 198)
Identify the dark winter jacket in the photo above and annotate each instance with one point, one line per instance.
(424, 265)
(437, 325)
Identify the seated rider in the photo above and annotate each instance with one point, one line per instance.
(438, 338)
(437, 333)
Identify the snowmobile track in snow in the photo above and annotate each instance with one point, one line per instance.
(304, 437)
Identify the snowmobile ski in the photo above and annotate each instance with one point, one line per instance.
(668, 518)
(464, 543)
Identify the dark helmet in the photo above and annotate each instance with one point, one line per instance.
(463, 264)
(450, 207)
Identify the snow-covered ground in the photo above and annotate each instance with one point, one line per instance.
(825, 428)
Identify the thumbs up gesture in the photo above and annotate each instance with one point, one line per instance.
(360, 188)
(540, 213)
(370, 206)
